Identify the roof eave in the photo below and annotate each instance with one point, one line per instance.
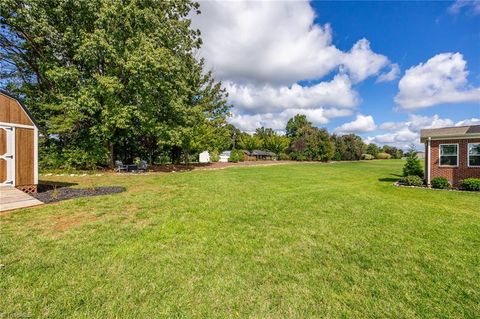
(423, 139)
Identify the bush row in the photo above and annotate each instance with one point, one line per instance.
(469, 184)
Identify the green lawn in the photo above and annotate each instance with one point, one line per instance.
(288, 241)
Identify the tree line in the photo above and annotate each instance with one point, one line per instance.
(110, 80)
(302, 141)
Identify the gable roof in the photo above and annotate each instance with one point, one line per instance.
(25, 109)
(450, 132)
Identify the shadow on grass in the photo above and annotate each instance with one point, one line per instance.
(390, 179)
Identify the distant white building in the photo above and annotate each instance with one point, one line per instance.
(204, 157)
(224, 156)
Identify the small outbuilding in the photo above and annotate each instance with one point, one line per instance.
(18, 145)
(204, 157)
(452, 152)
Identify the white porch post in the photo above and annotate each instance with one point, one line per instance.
(429, 160)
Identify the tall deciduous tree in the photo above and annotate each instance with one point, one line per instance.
(110, 79)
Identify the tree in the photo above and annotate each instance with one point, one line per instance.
(373, 149)
(110, 79)
(349, 147)
(276, 143)
(249, 142)
(393, 151)
(413, 166)
(295, 124)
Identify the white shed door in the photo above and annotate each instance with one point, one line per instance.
(7, 155)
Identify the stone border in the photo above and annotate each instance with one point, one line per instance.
(398, 184)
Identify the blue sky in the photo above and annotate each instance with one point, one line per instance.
(381, 69)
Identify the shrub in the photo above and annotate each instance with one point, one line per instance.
(214, 156)
(384, 156)
(367, 157)
(412, 180)
(470, 184)
(236, 156)
(413, 165)
(283, 157)
(440, 182)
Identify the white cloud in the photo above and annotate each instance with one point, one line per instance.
(262, 49)
(267, 98)
(278, 121)
(442, 79)
(361, 62)
(403, 134)
(471, 6)
(277, 43)
(390, 75)
(472, 121)
(362, 124)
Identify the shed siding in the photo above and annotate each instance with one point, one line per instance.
(24, 154)
(453, 174)
(12, 112)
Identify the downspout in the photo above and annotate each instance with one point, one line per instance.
(429, 160)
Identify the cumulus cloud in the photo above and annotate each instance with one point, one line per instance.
(362, 124)
(267, 98)
(276, 42)
(471, 7)
(403, 134)
(472, 121)
(390, 75)
(261, 50)
(442, 79)
(277, 121)
(361, 62)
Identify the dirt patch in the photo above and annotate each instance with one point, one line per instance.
(217, 165)
(51, 194)
(68, 222)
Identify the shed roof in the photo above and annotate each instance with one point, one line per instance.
(450, 132)
(29, 114)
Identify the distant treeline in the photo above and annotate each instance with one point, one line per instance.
(303, 141)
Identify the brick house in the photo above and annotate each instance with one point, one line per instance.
(452, 152)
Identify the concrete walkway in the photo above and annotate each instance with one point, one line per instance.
(12, 198)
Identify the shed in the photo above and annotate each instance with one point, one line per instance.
(204, 157)
(18, 145)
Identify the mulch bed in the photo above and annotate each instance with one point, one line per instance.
(51, 193)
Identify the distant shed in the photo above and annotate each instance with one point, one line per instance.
(18, 145)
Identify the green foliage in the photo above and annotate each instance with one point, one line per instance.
(348, 147)
(383, 155)
(295, 124)
(249, 142)
(367, 157)
(214, 156)
(412, 180)
(440, 182)
(112, 79)
(413, 166)
(276, 143)
(393, 151)
(283, 157)
(470, 184)
(373, 149)
(236, 156)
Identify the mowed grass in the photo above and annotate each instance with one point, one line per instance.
(288, 241)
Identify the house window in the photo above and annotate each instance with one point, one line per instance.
(448, 154)
(474, 154)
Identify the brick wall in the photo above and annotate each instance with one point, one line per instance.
(453, 174)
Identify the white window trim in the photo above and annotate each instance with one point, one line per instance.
(440, 155)
(468, 155)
